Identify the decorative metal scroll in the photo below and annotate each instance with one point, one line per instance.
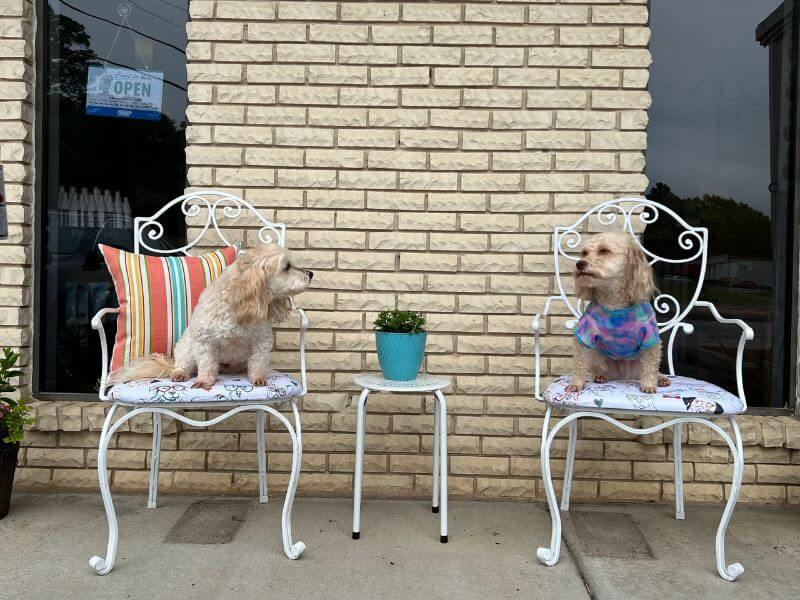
(215, 205)
(624, 214)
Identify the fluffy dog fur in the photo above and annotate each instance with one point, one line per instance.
(613, 271)
(231, 327)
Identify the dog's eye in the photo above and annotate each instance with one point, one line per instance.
(584, 253)
(603, 251)
(288, 266)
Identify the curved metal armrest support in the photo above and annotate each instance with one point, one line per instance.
(537, 349)
(303, 328)
(746, 335)
(97, 325)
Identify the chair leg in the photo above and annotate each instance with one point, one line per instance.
(732, 571)
(549, 556)
(435, 452)
(360, 426)
(152, 498)
(442, 467)
(262, 459)
(100, 565)
(677, 432)
(573, 441)
(290, 549)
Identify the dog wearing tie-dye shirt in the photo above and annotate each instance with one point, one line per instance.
(617, 335)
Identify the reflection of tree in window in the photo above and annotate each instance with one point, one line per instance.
(70, 57)
(735, 228)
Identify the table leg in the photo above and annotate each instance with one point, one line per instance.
(443, 466)
(360, 426)
(435, 503)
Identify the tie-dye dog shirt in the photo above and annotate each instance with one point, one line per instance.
(621, 333)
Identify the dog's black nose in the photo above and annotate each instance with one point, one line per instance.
(310, 275)
(581, 265)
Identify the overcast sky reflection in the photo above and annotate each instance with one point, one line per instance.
(709, 123)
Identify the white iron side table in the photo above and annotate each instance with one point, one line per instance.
(374, 382)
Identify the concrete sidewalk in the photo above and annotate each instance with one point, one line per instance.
(48, 539)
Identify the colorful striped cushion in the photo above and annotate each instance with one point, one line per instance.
(157, 295)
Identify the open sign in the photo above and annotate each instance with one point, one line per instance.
(124, 93)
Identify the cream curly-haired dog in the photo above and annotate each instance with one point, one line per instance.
(231, 326)
(617, 335)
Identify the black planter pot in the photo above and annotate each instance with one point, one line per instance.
(8, 464)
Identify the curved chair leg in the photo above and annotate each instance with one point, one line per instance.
(677, 432)
(298, 435)
(262, 459)
(442, 466)
(152, 498)
(100, 565)
(573, 440)
(435, 452)
(360, 426)
(549, 556)
(290, 549)
(732, 571)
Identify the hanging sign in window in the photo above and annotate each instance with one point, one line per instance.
(3, 209)
(124, 93)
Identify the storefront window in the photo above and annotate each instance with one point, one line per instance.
(720, 152)
(114, 83)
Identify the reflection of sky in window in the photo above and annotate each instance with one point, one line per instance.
(158, 56)
(709, 123)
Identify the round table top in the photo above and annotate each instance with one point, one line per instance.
(423, 383)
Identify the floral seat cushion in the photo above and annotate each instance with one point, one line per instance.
(228, 388)
(683, 395)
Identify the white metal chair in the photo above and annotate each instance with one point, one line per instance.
(703, 402)
(215, 205)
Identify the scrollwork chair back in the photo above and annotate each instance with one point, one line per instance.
(216, 206)
(632, 215)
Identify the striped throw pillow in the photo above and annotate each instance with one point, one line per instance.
(157, 295)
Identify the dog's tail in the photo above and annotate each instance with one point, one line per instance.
(147, 367)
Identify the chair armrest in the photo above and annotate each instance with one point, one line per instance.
(746, 335)
(537, 348)
(97, 325)
(303, 328)
(537, 351)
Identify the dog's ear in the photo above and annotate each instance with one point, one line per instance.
(640, 285)
(250, 277)
(583, 292)
(278, 310)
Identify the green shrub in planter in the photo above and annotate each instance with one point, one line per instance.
(400, 339)
(13, 418)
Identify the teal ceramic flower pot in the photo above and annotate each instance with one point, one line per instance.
(400, 354)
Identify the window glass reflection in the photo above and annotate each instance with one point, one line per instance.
(718, 150)
(110, 155)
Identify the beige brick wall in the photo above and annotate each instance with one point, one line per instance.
(16, 156)
(420, 153)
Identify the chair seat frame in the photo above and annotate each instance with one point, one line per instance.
(692, 239)
(148, 229)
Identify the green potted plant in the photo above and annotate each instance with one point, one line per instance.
(13, 418)
(400, 338)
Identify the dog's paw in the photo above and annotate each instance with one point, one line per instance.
(663, 381)
(179, 376)
(574, 387)
(205, 384)
(647, 389)
(258, 380)
(600, 379)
